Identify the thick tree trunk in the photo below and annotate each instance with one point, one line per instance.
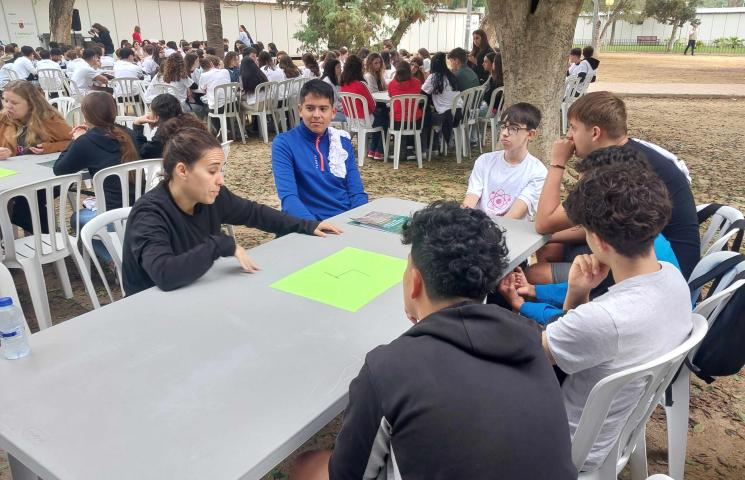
(213, 25)
(534, 57)
(673, 37)
(612, 33)
(60, 20)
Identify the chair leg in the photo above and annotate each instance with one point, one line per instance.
(361, 149)
(241, 128)
(85, 275)
(638, 459)
(63, 277)
(264, 126)
(677, 425)
(38, 291)
(387, 147)
(396, 150)
(385, 144)
(431, 139)
(223, 129)
(493, 128)
(418, 147)
(458, 146)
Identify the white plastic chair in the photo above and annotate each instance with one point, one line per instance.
(471, 118)
(293, 100)
(718, 233)
(125, 120)
(570, 89)
(360, 121)
(74, 116)
(144, 175)
(73, 91)
(98, 229)
(493, 115)
(31, 252)
(263, 107)
(8, 289)
(631, 443)
(63, 104)
(127, 95)
(408, 126)
(12, 75)
(228, 94)
(459, 102)
(52, 81)
(282, 104)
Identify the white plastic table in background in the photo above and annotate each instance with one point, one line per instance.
(222, 379)
(29, 168)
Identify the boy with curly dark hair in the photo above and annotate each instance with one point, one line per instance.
(464, 393)
(645, 314)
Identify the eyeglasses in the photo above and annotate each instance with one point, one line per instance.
(511, 129)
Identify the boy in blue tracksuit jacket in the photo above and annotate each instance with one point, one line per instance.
(314, 167)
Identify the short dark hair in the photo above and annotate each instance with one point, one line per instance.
(149, 49)
(522, 113)
(55, 51)
(44, 54)
(614, 155)
(166, 106)
(26, 50)
(460, 252)
(577, 52)
(10, 48)
(626, 208)
(601, 109)
(210, 51)
(319, 88)
(588, 51)
(403, 71)
(352, 70)
(172, 45)
(89, 53)
(126, 52)
(248, 51)
(195, 44)
(458, 54)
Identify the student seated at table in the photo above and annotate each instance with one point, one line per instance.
(29, 125)
(442, 86)
(598, 120)
(174, 231)
(332, 76)
(85, 74)
(163, 108)
(466, 392)
(353, 81)
(467, 78)
(24, 65)
(508, 182)
(374, 76)
(314, 166)
(644, 315)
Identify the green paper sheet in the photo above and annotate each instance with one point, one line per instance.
(349, 279)
(6, 172)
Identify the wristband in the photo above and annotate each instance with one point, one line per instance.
(558, 166)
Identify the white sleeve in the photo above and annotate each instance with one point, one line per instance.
(583, 338)
(532, 191)
(476, 181)
(583, 67)
(427, 87)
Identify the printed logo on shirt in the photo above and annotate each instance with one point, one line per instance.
(499, 201)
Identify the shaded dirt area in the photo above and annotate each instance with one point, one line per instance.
(707, 134)
(652, 68)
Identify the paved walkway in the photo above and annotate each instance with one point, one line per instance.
(704, 90)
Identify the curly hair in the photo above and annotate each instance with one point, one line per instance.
(604, 157)
(175, 68)
(626, 207)
(460, 252)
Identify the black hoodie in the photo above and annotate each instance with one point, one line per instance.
(96, 150)
(467, 393)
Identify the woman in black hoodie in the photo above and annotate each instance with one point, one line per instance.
(98, 144)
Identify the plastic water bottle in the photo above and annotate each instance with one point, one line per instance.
(13, 341)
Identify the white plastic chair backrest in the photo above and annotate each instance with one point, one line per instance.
(125, 90)
(74, 116)
(63, 104)
(460, 101)
(710, 262)
(659, 476)
(97, 228)
(570, 88)
(283, 89)
(12, 74)
(716, 236)
(409, 105)
(125, 120)
(160, 88)
(656, 374)
(356, 110)
(51, 80)
(142, 88)
(73, 91)
(263, 96)
(145, 176)
(583, 85)
(475, 96)
(491, 111)
(56, 223)
(227, 94)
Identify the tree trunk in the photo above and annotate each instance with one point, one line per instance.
(401, 28)
(673, 37)
(534, 57)
(612, 33)
(60, 20)
(213, 26)
(613, 17)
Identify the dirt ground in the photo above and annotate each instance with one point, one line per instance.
(706, 134)
(652, 68)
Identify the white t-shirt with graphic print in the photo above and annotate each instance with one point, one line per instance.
(499, 183)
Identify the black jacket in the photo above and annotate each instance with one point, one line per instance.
(96, 150)
(467, 393)
(104, 37)
(166, 247)
(147, 148)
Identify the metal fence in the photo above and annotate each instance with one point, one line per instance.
(735, 46)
